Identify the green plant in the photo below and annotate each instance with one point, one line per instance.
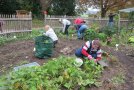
(131, 16)
(21, 36)
(131, 39)
(56, 74)
(4, 40)
(90, 34)
(71, 34)
(37, 23)
(95, 27)
(102, 36)
(109, 31)
(118, 79)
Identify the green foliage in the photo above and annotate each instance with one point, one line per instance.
(70, 31)
(25, 5)
(95, 26)
(55, 75)
(71, 34)
(118, 79)
(102, 36)
(109, 31)
(4, 40)
(62, 7)
(90, 34)
(37, 23)
(131, 16)
(131, 39)
(8, 6)
(123, 37)
(21, 36)
(31, 5)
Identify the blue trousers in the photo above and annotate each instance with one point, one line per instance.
(81, 31)
(110, 24)
(79, 54)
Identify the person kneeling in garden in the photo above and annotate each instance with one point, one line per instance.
(50, 33)
(91, 50)
(83, 27)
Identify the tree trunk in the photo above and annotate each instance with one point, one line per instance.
(103, 13)
(103, 9)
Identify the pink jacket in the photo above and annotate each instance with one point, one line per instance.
(78, 21)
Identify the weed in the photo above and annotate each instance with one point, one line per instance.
(118, 79)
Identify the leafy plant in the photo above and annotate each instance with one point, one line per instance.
(71, 34)
(131, 39)
(4, 40)
(109, 31)
(131, 16)
(118, 79)
(55, 75)
(90, 34)
(95, 26)
(21, 36)
(102, 36)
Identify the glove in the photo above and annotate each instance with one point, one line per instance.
(90, 57)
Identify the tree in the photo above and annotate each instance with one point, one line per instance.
(106, 5)
(45, 4)
(62, 7)
(31, 5)
(8, 6)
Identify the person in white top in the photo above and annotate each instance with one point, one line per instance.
(66, 23)
(50, 33)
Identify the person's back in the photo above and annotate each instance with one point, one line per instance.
(111, 20)
(78, 21)
(66, 22)
(51, 34)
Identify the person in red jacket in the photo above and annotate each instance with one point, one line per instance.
(91, 50)
(78, 22)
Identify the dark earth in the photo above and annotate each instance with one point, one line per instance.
(121, 62)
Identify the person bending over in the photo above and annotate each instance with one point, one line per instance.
(91, 50)
(50, 33)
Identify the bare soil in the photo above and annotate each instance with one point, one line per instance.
(16, 53)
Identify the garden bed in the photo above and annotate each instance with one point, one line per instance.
(118, 76)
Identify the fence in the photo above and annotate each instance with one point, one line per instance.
(54, 21)
(15, 23)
